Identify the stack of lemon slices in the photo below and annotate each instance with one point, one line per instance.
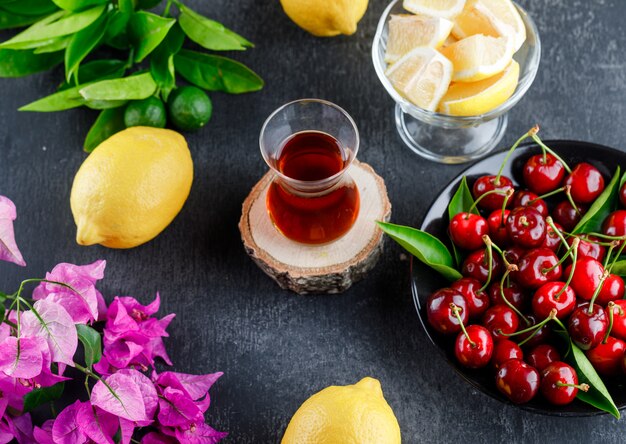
(455, 56)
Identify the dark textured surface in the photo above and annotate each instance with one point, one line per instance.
(275, 348)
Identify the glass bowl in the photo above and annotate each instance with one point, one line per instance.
(424, 281)
(452, 139)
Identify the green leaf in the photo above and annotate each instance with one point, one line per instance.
(462, 200)
(619, 268)
(128, 88)
(216, 73)
(162, 60)
(126, 5)
(56, 25)
(210, 34)
(598, 396)
(598, 211)
(9, 20)
(109, 122)
(22, 63)
(147, 4)
(105, 104)
(92, 343)
(82, 43)
(58, 44)
(116, 33)
(78, 5)
(425, 247)
(98, 70)
(59, 101)
(29, 7)
(40, 396)
(146, 31)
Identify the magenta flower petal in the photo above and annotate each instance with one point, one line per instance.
(138, 311)
(96, 424)
(127, 429)
(66, 429)
(146, 387)
(121, 354)
(20, 358)
(22, 428)
(8, 248)
(157, 438)
(43, 434)
(199, 434)
(57, 329)
(195, 385)
(126, 403)
(177, 409)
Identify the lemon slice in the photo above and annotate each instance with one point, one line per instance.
(449, 40)
(422, 76)
(496, 18)
(408, 31)
(476, 98)
(478, 57)
(447, 9)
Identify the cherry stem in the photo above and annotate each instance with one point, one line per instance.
(543, 196)
(573, 247)
(534, 328)
(568, 193)
(531, 132)
(558, 232)
(507, 196)
(482, 196)
(612, 245)
(609, 307)
(584, 387)
(619, 252)
(455, 311)
(509, 269)
(606, 236)
(489, 244)
(575, 243)
(597, 291)
(507, 264)
(545, 148)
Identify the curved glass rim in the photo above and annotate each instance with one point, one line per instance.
(311, 183)
(523, 84)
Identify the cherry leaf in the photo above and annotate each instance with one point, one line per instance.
(8, 248)
(119, 394)
(54, 324)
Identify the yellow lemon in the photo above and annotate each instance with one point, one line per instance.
(447, 9)
(408, 31)
(326, 18)
(131, 187)
(479, 56)
(345, 414)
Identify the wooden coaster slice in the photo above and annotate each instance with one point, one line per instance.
(328, 268)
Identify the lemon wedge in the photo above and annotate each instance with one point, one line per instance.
(496, 18)
(476, 98)
(447, 9)
(407, 31)
(422, 76)
(478, 57)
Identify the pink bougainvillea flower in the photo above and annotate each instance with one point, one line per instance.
(21, 358)
(65, 429)
(199, 434)
(147, 390)
(127, 402)
(96, 424)
(22, 428)
(8, 248)
(55, 325)
(12, 391)
(82, 300)
(43, 434)
(196, 386)
(177, 409)
(157, 438)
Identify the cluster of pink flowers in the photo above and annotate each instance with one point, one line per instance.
(127, 398)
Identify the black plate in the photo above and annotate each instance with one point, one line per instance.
(424, 281)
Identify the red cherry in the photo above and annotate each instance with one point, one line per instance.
(476, 265)
(524, 198)
(586, 183)
(547, 297)
(587, 277)
(558, 383)
(538, 337)
(615, 224)
(588, 248)
(565, 214)
(612, 290)
(517, 381)
(622, 195)
(513, 293)
(552, 239)
(497, 228)
(477, 301)
(485, 184)
(505, 350)
(543, 355)
(474, 350)
(500, 319)
(440, 314)
(467, 230)
(607, 357)
(542, 175)
(619, 320)
(514, 254)
(586, 329)
(526, 227)
(537, 267)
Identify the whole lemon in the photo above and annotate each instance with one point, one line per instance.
(351, 414)
(326, 18)
(131, 187)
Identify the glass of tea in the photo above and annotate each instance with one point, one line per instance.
(309, 144)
